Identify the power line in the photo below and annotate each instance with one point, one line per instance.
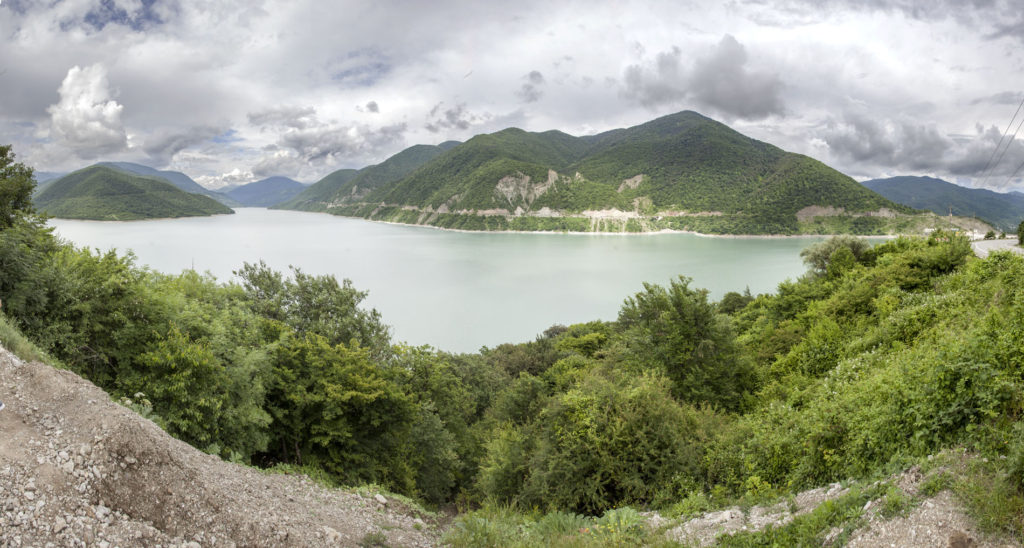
(1015, 172)
(988, 164)
(1008, 143)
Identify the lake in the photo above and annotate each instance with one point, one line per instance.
(456, 291)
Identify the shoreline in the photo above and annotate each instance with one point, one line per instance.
(601, 233)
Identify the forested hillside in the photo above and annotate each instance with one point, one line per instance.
(107, 194)
(682, 171)
(874, 360)
(348, 184)
(176, 178)
(1004, 211)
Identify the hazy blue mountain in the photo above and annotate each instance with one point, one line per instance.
(1003, 211)
(266, 192)
(102, 192)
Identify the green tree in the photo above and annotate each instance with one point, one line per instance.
(332, 408)
(678, 330)
(817, 256)
(615, 440)
(1020, 233)
(16, 185)
(315, 305)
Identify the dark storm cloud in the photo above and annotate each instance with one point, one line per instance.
(531, 90)
(720, 80)
(865, 140)
(162, 146)
(867, 145)
(457, 117)
(723, 81)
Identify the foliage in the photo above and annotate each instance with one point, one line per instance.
(16, 185)
(104, 193)
(818, 256)
(678, 330)
(314, 305)
(330, 406)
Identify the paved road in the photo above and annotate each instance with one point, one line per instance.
(983, 247)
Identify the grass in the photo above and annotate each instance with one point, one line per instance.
(15, 341)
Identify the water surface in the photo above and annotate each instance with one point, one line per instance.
(457, 291)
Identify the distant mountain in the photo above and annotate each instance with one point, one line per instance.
(682, 171)
(349, 184)
(1003, 211)
(176, 178)
(266, 192)
(102, 192)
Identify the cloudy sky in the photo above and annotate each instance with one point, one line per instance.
(230, 91)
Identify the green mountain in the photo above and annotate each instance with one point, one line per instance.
(682, 171)
(176, 178)
(266, 192)
(1003, 211)
(349, 184)
(104, 193)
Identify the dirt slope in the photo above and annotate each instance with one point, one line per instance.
(77, 469)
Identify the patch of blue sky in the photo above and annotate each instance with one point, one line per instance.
(107, 13)
(229, 136)
(362, 75)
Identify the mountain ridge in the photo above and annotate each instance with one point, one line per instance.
(102, 192)
(683, 171)
(266, 192)
(1003, 210)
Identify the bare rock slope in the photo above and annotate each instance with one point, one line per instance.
(79, 470)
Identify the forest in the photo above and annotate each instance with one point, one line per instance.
(876, 359)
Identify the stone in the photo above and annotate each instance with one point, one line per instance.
(59, 525)
(380, 498)
(333, 536)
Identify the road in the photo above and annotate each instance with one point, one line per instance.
(983, 247)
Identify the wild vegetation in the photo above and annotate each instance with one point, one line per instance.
(108, 194)
(876, 358)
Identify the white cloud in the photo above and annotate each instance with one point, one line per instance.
(300, 87)
(86, 119)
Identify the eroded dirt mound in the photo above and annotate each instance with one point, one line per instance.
(77, 469)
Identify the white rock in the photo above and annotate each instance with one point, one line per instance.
(380, 498)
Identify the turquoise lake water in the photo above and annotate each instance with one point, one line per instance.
(456, 291)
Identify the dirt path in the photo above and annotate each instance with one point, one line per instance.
(79, 470)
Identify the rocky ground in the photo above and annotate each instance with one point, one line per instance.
(79, 470)
(936, 521)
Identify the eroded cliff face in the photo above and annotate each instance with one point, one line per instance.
(77, 469)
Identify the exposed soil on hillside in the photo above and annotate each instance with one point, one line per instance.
(79, 470)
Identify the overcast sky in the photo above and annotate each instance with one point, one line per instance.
(232, 91)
